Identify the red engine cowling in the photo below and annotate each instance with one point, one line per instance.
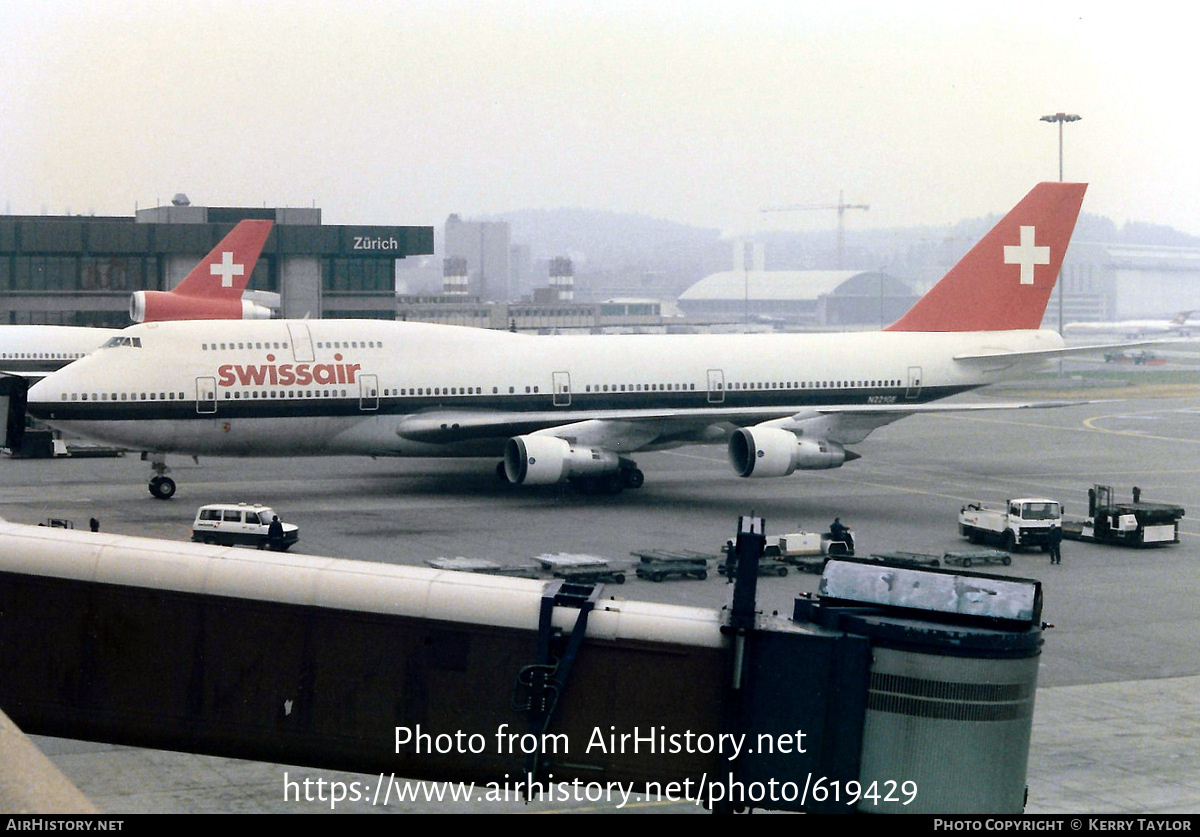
(157, 306)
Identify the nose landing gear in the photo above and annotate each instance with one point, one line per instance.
(161, 486)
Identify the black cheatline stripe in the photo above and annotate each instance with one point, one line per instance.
(541, 402)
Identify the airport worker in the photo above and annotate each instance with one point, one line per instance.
(1054, 539)
(275, 533)
(731, 561)
(94, 525)
(837, 530)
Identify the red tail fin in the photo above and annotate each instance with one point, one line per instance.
(1005, 281)
(224, 272)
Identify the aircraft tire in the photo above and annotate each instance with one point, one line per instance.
(634, 478)
(613, 483)
(163, 488)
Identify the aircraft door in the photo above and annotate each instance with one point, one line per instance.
(302, 347)
(716, 386)
(914, 383)
(206, 395)
(368, 392)
(562, 389)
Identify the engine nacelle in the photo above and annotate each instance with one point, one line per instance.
(254, 311)
(156, 306)
(771, 452)
(544, 460)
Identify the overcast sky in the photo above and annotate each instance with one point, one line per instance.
(699, 112)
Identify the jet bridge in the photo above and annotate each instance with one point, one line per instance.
(896, 690)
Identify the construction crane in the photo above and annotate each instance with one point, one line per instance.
(841, 206)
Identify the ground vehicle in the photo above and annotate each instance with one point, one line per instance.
(1129, 524)
(1023, 521)
(795, 545)
(1139, 358)
(806, 551)
(659, 564)
(978, 556)
(241, 524)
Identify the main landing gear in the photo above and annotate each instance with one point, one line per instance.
(613, 482)
(161, 486)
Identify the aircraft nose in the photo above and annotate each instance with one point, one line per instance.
(37, 394)
(44, 393)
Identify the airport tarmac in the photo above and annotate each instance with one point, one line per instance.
(1116, 718)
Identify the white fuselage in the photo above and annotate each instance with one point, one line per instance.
(37, 350)
(285, 388)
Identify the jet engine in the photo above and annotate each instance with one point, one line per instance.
(544, 460)
(771, 452)
(156, 306)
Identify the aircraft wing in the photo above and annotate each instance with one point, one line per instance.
(851, 424)
(630, 430)
(462, 425)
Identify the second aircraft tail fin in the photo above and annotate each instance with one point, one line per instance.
(213, 289)
(225, 271)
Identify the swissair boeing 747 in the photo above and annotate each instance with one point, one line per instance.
(570, 407)
(213, 289)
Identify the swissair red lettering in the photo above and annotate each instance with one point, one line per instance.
(286, 374)
(254, 375)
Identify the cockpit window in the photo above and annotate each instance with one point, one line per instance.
(135, 342)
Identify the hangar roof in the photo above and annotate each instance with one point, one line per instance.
(786, 285)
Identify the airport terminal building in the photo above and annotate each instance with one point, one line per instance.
(81, 270)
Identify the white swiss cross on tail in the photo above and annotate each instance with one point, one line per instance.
(1026, 255)
(227, 269)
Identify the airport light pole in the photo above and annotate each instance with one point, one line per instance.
(1060, 118)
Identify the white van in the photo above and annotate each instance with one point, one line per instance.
(240, 524)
